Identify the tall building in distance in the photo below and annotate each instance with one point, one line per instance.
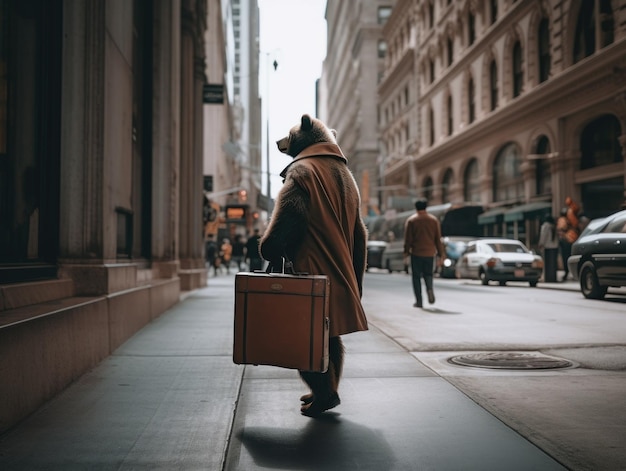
(351, 71)
(232, 155)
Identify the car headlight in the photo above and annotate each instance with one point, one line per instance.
(447, 263)
(537, 263)
(493, 262)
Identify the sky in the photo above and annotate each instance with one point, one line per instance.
(292, 33)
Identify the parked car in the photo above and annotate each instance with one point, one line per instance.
(598, 257)
(375, 250)
(393, 257)
(501, 260)
(455, 246)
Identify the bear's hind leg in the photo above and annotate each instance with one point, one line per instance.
(324, 386)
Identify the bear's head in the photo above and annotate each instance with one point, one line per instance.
(309, 131)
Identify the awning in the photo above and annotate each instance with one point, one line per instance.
(492, 216)
(528, 211)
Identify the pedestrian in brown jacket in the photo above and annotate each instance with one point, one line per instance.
(422, 241)
(317, 224)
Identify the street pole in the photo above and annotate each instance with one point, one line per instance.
(267, 124)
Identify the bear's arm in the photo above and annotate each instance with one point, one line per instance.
(359, 255)
(288, 225)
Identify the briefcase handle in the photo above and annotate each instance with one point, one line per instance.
(287, 267)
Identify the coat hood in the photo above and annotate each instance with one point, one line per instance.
(320, 149)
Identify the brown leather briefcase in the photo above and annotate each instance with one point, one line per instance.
(282, 320)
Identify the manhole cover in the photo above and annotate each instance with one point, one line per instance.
(510, 361)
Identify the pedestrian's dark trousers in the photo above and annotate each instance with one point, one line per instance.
(550, 257)
(422, 267)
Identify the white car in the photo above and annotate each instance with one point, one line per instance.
(501, 260)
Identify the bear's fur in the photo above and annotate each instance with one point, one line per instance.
(289, 228)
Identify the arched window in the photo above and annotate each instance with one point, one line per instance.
(471, 101)
(599, 144)
(594, 25)
(427, 188)
(446, 183)
(508, 183)
(543, 179)
(471, 182)
(493, 84)
(518, 69)
(543, 41)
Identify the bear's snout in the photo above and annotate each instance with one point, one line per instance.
(283, 144)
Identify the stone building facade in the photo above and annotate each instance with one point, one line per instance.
(351, 72)
(101, 143)
(512, 104)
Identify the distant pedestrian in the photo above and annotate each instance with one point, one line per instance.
(422, 242)
(253, 257)
(567, 227)
(211, 254)
(239, 251)
(549, 247)
(226, 253)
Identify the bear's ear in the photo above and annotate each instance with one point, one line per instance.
(306, 124)
(334, 133)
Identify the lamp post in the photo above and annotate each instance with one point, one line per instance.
(267, 124)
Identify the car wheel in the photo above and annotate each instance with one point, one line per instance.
(533, 284)
(484, 279)
(589, 285)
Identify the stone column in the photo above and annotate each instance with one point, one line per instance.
(193, 22)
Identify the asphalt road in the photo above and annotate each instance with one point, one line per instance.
(577, 414)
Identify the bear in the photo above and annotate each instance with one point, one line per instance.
(317, 224)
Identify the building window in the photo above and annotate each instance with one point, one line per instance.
(383, 15)
(471, 101)
(432, 70)
(427, 188)
(406, 96)
(471, 28)
(446, 183)
(471, 182)
(141, 210)
(431, 15)
(599, 143)
(30, 91)
(450, 51)
(382, 49)
(450, 116)
(431, 126)
(493, 84)
(594, 25)
(543, 178)
(544, 50)
(508, 183)
(493, 11)
(518, 69)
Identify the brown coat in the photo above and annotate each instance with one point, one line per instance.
(422, 236)
(317, 223)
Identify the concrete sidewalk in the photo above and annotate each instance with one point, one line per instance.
(171, 398)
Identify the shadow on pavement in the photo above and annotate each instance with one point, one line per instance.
(327, 442)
